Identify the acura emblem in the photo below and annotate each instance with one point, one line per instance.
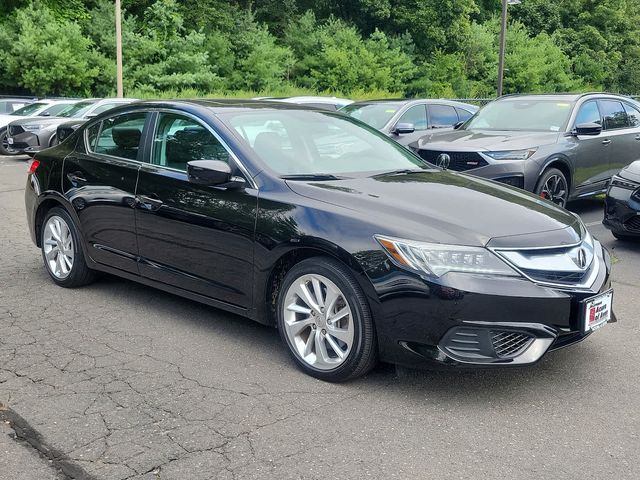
(581, 261)
(443, 161)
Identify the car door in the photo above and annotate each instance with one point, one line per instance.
(99, 179)
(195, 237)
(417, 116)
(590, 154)
(619, 133)
(631, 145)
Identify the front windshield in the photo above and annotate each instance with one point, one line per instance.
(375, 114)
(299, 142)
(76, 110)
(520, 114)
(29, 109)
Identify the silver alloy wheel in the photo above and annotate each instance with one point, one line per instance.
(555, 189)
(57, 244)
(318, 321)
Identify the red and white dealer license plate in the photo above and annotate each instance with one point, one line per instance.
(597, 311)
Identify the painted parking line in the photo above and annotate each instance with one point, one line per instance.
(593, 224)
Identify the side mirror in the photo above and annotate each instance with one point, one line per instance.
(458, 125)
(213, 173)
(588, 129)
(403, 128)
(45, 114)
(91, 115)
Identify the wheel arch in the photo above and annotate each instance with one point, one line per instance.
(268, 283)
(48, 202)
(561, 164)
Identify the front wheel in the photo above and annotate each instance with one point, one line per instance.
(61, 250)
(325, 321)
(553, 186)
(5, 148)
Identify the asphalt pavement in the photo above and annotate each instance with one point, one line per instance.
(121, 381)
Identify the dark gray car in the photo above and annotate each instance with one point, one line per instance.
(561, 147)
(407, 120)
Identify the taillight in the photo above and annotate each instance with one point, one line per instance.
(35, 163)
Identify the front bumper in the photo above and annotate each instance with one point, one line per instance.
(28, 142)
(622, 212)
(504, 321)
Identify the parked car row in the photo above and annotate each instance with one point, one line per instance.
(34, 126)
(309, 220)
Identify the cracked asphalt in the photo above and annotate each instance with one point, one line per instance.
(121, 381)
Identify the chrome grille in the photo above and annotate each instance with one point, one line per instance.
(510, 344)
(551, 276)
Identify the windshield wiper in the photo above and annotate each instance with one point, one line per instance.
(402, 171)
(312, 176)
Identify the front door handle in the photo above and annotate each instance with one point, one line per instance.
(151, 202)
(606, 141)
(77, 179)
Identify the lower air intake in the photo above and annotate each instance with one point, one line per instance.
(510, 344)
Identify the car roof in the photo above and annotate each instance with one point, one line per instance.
(563, 97)
(222, 105)
(410, 101)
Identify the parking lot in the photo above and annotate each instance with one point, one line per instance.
(118, 380)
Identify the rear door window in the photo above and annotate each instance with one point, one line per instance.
(463, 115)
(614, 115)
(121, 136)
(633, 114)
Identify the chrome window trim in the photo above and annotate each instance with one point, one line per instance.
(224, 144)
(101, 121)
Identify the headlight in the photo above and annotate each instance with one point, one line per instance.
(512, 154)
(33, 127)
(617, 181)
(436, 259)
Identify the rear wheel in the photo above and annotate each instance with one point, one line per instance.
(61, 250)
(5, 148)
(553, 186)
(325, 322)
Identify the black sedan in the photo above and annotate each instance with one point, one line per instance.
(313, 222)
(622, 204)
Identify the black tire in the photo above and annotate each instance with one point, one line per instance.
(80, 274)
(559, 197)
(53, 141)
(363, 354)
(4, 147)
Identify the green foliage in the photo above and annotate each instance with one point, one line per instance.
(436, 48)
(47, 55)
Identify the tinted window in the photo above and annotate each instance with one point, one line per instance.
(179, 140)
(613, 114)
(104, 107)
(633, 115)
(417, 115)
(589, 113)
(442, 115)
(120, 136)
(463, 115)
(92, 135)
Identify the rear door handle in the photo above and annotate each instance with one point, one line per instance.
(151, 202)
(77, 179)
(606, 141)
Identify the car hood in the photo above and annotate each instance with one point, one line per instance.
(445, 207)
(632, 172)
(484, 140)
(47, 121)
(7, 119)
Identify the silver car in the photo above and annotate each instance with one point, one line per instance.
(561, 147)
(31, 135)
(407, 120)
(41, 108)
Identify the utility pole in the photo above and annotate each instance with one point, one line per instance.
(119, 92)
(503, 35)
